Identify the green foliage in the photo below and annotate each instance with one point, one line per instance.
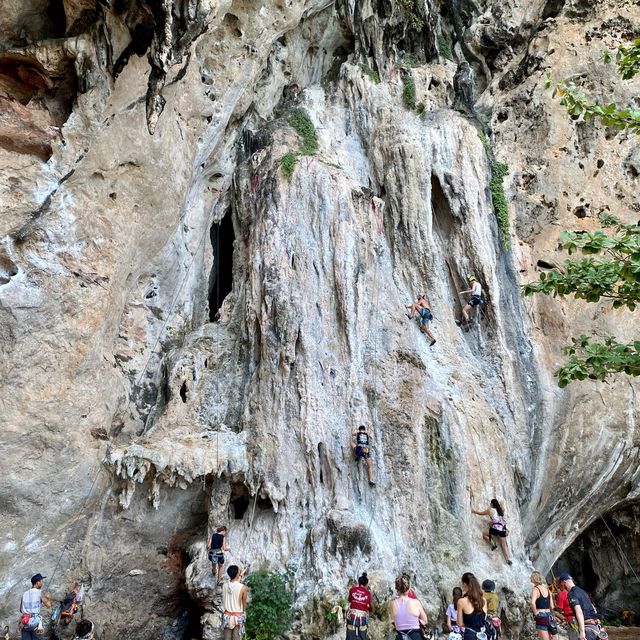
(581, 108)
(409, 61)
(409, 91)
(303, 126)
(414, 11)
(485, 141)
(609, 271)
(271, 610)
(420, 108)
(331, 615)
(444, 48)
(288, 162)
(371, 73)
(498, 171)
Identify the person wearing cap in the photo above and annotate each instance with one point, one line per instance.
(422, 307)
(31, 627)
(564, 611)
(586, 615)
(84, 630)
(475, 298)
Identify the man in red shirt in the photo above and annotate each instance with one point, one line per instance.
(359, 607)
(563, 608)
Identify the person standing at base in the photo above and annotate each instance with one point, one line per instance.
(31, 625)
(359, 607)
(84, 630)
(493, 602)
(361, 449)
(565, 612)
(589, 627)
(472, 607)
(542, 607)
(234, 604)
(407, 614)
(452, 612)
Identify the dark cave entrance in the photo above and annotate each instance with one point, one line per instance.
(602, 561)
(239, 500)
(221, 278)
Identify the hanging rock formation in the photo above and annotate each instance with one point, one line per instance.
(156, 384)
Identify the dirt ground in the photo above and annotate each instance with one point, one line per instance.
(623, 633)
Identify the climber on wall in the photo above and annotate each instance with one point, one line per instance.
(359, 607)
(361, 450)
(216, 548)
(422, 307)
(497, 528)
(475, 299)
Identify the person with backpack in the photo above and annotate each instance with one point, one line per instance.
(589, 627)
(408, 614)
(497, 528)
(542, 607)
(422, 307)
(359, 607)
(452, 612)
(216, 548)
(475, 299)
(31, 625)
(493, 619)
(360, 445)
(472, 609)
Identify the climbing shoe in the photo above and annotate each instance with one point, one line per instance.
(509, 562)
(432, 342)
(459, 323)
(494, 547)
(372, 483)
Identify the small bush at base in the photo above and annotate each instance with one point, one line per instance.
(271, 610)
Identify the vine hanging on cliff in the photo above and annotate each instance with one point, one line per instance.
(496, 185)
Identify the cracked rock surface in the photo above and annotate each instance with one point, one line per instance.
(188, 336)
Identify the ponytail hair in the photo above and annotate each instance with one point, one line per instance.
(474, 591)
(363, 580)
(402, 584)
(497, 506)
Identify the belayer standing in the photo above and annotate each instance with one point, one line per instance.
(31, 625)
(493, 619)
(475, 299)
(589, 627)
(234, 604)
(216, 548)
(497, 528)
(359, 607)
(407, 614)
(361, 449)
(452, 612)
(472, 607)
(542, 607)
(422, 307)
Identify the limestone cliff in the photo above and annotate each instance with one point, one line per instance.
(197, 333)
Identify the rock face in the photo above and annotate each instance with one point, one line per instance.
(189, 335)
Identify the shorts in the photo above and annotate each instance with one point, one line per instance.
(425, 317)
(546, 622)
(357, 626)
(362, 452)
(474, 301)
(497, 532)
(216, 557)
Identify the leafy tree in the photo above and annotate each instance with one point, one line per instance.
(270, 609)
(610, 267)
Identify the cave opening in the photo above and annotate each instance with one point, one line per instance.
(239, 500)
(221, 279)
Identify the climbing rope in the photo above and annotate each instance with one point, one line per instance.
(177, 292)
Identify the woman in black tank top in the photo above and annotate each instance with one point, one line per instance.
(542, 607)
(472, 607)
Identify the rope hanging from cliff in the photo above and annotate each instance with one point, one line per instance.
(174, 300)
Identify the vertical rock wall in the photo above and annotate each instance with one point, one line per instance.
(112, 266)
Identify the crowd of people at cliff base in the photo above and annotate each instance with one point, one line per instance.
(474, 613)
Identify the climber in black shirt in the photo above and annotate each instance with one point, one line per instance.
(361, 450)
(586, 615)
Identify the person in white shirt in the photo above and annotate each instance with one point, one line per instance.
(234, 604)
(475, 299)
(31, 627)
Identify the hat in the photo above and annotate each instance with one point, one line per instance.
(564, 576)
(37, 578)
(488, 585)
(471, 278)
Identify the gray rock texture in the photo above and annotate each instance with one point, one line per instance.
(188, 335)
